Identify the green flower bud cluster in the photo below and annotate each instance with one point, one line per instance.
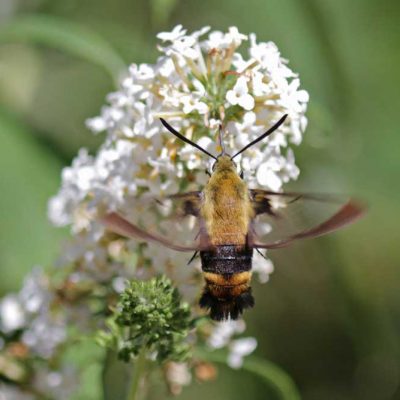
(150, 316)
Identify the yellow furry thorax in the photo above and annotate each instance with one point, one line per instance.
(226, 208)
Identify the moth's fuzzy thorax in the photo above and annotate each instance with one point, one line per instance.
(226, 208)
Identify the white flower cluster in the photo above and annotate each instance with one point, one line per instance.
(197, 84)
(200, 82)
(223, 336)
(37, 329)
(30, 311)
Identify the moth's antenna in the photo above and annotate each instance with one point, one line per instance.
(264, 135)
(185, 139)
(221, 140)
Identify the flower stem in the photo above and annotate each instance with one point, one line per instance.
(270, 373)
(138, 370)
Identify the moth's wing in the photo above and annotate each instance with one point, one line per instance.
(172, 221)
(118, 224)
(282, 218)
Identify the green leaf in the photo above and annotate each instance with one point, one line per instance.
(67, 36)
(275, 377)
(30, 174)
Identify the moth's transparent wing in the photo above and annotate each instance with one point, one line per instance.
(172, 221)
(282, 218)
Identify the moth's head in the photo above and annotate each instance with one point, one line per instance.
(224, 162)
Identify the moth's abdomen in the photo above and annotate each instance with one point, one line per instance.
(227, 274)
(226, 259)
(224, 298)
(227, 286)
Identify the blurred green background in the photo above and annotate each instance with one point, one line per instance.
(330, 315)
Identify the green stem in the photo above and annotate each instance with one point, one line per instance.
(270, 373)
(138, 370)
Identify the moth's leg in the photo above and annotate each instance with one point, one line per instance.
(261, 254)
(193, 257)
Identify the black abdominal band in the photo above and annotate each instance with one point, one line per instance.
(226, 260)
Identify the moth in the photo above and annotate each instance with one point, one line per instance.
(233, 221)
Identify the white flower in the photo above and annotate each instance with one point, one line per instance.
(96, 124)
(178, 373)
(29, 310)
(44, 334)
(268, 55)
(221, 41)
(235, 36)
(35, 294)
(262, 267)
(260, 88)
(190, 103)
(172, 36)
(267, 177)
(12, 314)
(141, 74)
(240, 348)
(58, 384)
(223, 332)
(182, 45)
(119, 284)
(240, 95)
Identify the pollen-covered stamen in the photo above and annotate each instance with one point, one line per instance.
(221, 140)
